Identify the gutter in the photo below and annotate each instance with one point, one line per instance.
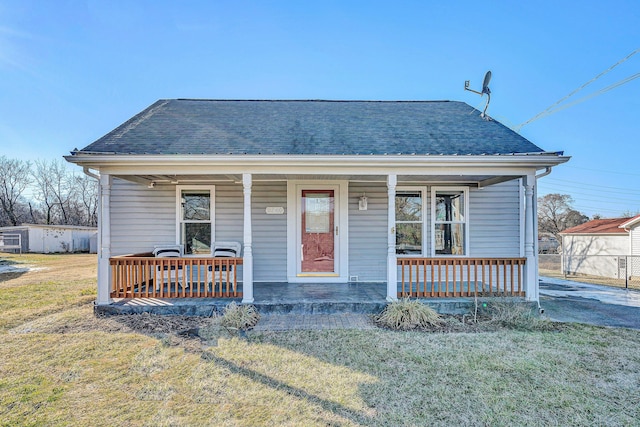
(87, 172)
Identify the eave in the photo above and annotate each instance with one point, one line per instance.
(480, 171)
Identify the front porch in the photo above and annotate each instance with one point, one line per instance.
(289, 298)
(200, 286)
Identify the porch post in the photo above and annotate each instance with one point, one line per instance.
(247, 262)
(529, 252)
(104, 243)
(392, 267)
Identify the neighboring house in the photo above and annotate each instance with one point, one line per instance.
(44, 239)
(427, 197)
(600, 247)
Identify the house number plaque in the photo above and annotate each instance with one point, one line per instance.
(275, 210)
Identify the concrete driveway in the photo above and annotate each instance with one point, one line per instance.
(570, 301)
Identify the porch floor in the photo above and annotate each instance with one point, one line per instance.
(286, 298)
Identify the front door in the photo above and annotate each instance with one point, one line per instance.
(318, 229)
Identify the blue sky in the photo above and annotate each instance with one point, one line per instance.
(70, 71)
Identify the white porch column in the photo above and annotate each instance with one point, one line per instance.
(392, 263)
(104, 241)
(247, 262)
(531, 281)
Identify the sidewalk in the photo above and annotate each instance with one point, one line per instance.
(291, 322)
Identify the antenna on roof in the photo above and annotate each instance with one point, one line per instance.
(485, 89)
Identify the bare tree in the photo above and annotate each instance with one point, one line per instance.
(54, 190)
(85, 200)
(15, 177)
(555, 214)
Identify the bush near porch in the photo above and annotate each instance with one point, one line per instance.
(60, 365)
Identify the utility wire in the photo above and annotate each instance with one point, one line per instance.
(600, 170)
(588, 186)
(552, 106)
(600, 92)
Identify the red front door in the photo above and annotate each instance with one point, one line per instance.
(317, 251)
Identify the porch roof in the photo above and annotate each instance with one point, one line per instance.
(245, 127)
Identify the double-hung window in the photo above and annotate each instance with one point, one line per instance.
(450, 220)
(195, 219)
(410, 221)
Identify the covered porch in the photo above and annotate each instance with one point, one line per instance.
(144, 276)
(193, 277)
(292, 298)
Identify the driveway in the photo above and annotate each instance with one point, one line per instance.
(570, 301)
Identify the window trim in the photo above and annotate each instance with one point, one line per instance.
(444, 189)
(423, 189)
(179, 221)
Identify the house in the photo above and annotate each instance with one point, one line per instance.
(602, 247)
(427, 197)
(48, 238)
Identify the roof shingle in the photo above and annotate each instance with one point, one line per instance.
(182, 126)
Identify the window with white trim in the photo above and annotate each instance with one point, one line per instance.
(450, 220)
(410, 221)
(195, 219)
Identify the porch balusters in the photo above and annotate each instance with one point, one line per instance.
(461, 277)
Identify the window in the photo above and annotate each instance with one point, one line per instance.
(409, 221)
(195, 220)
(449, 207)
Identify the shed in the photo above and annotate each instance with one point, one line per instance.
(43, 238)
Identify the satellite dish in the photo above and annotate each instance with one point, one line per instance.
(485, 90)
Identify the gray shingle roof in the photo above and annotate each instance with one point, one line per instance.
(182, 126)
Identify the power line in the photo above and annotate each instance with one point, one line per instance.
(589, 186)
(552, 108)
(600, 170)
(605, 198)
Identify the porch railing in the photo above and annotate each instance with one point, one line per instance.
(461, 277)
(144, 276)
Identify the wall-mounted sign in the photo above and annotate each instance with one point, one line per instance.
(275, 210)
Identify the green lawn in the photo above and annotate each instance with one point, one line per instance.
(65, 367)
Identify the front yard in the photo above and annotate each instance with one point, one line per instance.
(60, 365)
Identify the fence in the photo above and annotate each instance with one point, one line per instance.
(10, 242)
(615, 270)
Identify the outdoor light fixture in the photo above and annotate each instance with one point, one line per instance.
(362, 203)
(151, 184)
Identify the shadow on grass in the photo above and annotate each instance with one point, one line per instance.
(327, 405)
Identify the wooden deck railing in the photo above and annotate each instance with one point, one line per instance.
(143, 276)
(461, 277)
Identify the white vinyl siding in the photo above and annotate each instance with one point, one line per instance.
(141, 217)
(269, 231)
(368, 232)
(635, 240)
(494, 220)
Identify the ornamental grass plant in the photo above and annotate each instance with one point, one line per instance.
(407, 314)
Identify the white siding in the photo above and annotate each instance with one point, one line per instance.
(368, 232)
(141, 217)
(635, 240)
(269, 232)
(594, 254)
(494, 220)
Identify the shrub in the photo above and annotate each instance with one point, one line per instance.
(408, 314)
(516, 315)
(239, 317)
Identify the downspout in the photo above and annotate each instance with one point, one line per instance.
(543, 174)
(546, 172)
(87, 172)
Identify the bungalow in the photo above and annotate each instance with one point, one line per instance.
(427, 197)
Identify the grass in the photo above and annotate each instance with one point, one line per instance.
(67, 367)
